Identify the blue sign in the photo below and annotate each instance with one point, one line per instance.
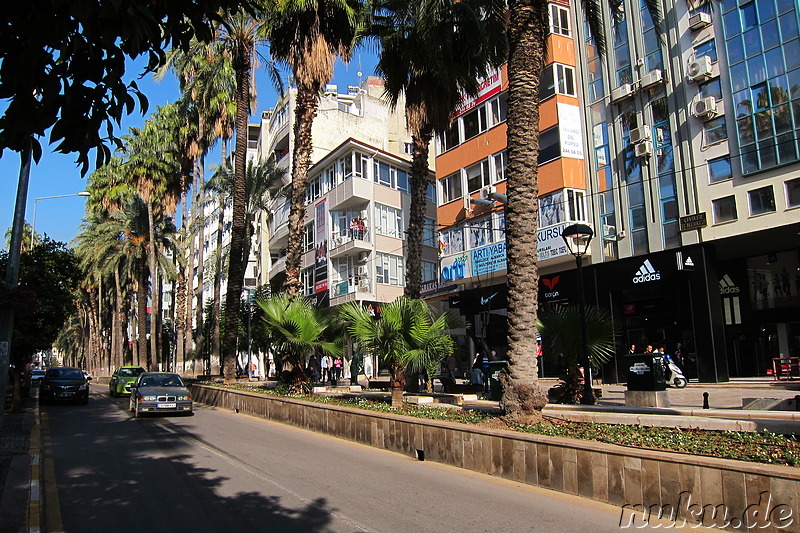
(454, 271)
(488, 259)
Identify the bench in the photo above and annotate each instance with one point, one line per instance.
(449, 386)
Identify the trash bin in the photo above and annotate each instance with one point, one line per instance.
(495, 388)
(645, 371)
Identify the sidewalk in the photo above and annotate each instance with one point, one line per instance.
(19, 469)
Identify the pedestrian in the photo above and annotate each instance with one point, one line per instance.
(452, 366)
(313, 367)
(649, 349)
(485, 369)
(476, 374)
(632, 349)
(368, 366)
(678, 356)
(325, 365)
(337, 370)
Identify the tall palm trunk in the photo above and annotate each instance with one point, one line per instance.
(241, 65)
(528, 30)
(155, 294)
(305, 111)
(119, 322)
(141, 317)
(189, 289)
(215, 340)
(200, 276)
(416, 220)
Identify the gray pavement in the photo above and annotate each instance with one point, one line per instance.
(18, 458)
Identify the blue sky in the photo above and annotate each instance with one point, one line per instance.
(57, 174)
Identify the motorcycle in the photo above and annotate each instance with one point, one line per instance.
(674, 375)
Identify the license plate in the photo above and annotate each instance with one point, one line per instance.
(65, 394)
(167, 406)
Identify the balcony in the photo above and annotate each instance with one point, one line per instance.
(353, 193)
(344, 243)
(351, 289)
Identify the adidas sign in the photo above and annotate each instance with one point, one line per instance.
(726, 286)
(646, 273)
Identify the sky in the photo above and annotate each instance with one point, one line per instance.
(57, 174)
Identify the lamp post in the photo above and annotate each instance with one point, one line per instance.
(33, 224)
(577, 237)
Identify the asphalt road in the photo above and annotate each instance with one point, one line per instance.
(222, 472)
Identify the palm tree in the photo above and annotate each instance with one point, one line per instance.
(261, 179)
(433, 52)
(527, 33)
(308, 37)
(406, 335)
(557, 326)
(297, 329)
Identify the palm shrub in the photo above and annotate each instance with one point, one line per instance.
(296, 329)
(560, 329)
(406, 335)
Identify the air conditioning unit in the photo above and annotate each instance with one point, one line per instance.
(609, 231)
(363, 257)
(363, 270)
(364, 214)
(651, 79)
(363, 284)
(640, 134)
(622, 92)
(699, 20)
(699, 69)
(644, 149)
(486, 191)
(705, 107)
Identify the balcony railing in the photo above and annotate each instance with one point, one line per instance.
(350, 285)
(339, 238)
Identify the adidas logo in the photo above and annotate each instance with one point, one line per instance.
(646, 273)
(727, 286)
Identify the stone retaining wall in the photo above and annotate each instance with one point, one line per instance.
(718, 492)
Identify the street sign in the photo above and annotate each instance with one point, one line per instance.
(695, 221)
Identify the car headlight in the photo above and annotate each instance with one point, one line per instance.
(148, 398)
(184, 398)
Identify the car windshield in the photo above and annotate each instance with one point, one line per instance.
(130, 372)
(162, 380)
(64, 373)
(38, 372)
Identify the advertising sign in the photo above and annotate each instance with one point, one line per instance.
(551, 244)
(455, 268)
(488, 259)
(487, 87)
(569, 129)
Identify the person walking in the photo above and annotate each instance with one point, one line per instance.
(452, 366)
(484, 359)
(337, 370)
(325, 366)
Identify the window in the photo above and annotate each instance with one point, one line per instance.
(451, 241)
(497, 109)
(475, 122)
(577, 206)
(429, 232)
(451, 187)
(408, 147)
(389, 221)
(557, 79)
(793, 193)
(346, 167)
(389, 269)
(308, 281)
(478, 176)
(761, 201)
(711, 88)
(708, 48)
(500, 161)
(719, 169)
(383, 174)
(361, 165)
(450, 137)
(559, 20)
(429, 271)
(308, 237)
(549, 145)
(724, 209)
(480, 233)
(715, 130)
(430, 192)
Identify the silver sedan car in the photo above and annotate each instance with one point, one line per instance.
(160, 392)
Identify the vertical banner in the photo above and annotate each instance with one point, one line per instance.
(569, 126)
(321, 245)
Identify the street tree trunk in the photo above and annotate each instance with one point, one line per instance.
(200, 228)
(141, 317)
(528, 30)
(119, 313)
(416, 221)
(215, 340)
(155, 296)
(241, 65)
(305, 111)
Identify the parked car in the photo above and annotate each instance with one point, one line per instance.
(122, 379)
(64, 383)
(37, 374)
(160, 392)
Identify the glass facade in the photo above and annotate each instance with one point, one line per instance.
(762, 43)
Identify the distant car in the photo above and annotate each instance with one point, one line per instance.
(64, 383)
(37, 374)
(122, 379)
(160, 392)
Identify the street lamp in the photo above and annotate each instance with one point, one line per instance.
(577, 238)
(33, 224)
